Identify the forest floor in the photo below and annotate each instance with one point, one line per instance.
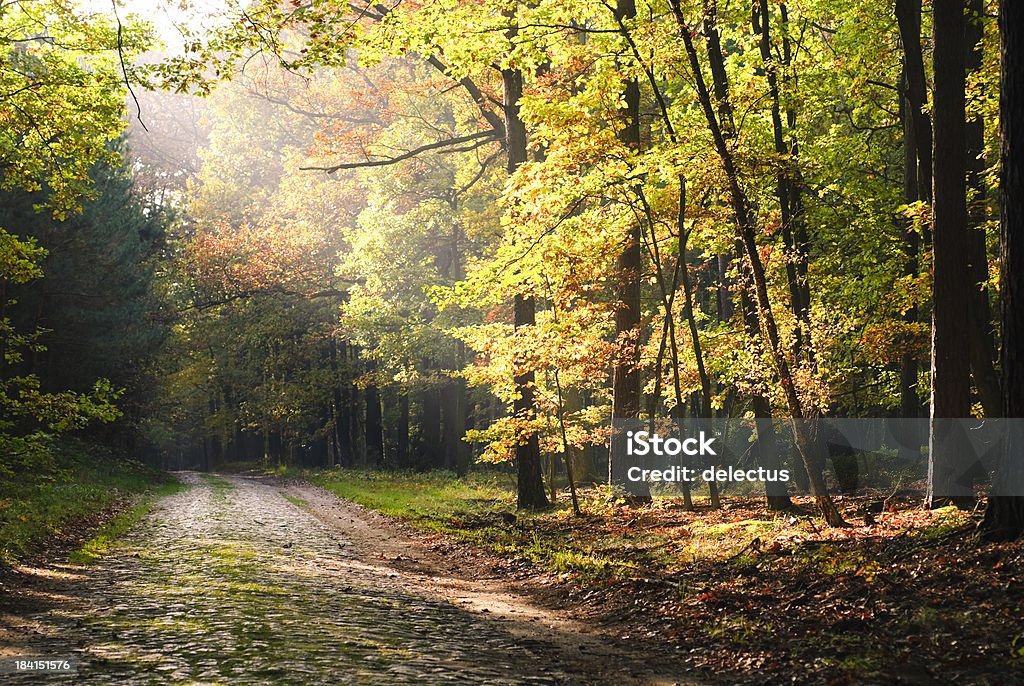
(255, 580)
(901, 596)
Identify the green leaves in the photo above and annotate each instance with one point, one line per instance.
(61, 97)
(19, 259)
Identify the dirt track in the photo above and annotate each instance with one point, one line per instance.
(243, 580)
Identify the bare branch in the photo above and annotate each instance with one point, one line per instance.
(481, 137)
(124, 68)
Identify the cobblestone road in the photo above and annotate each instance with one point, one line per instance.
(229, 582)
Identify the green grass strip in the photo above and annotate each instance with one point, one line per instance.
(107, 535)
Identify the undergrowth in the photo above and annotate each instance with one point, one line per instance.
(81, 482)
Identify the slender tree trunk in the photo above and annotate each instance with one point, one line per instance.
(682, 237)
(374, 427)
(337, 411)
(723, 297)
(453, 413)
(654, 400)
(910, 401)
(786, 189)
(801, 238)
(450, 433)
(1004, 516)
(354, 427)
(402, 430)
(742, 215)
(951, 382)
(918, 171)
(908, 19)
(343, 400)
(569, 473)
(432, 452)
(668, 288)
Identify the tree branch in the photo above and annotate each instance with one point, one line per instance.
(480, 136)
(474, 92)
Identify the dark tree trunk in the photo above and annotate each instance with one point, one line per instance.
(530, 483)
(336, 406)
(910, 401)
(918, 170)
(276, 443)
(1004, 516)
(723, 296)
(983, 370)
(628, 266)
(787, 190)
(402, 430)
(216, 445)
(431, 450)
(951, 382)
(355, 427)
(374, 427)
(908, 18)
(453, 422)
(343, 401)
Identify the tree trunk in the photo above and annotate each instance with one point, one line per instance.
(530, 483)
(908, 18)
(910, 401)
(431, 450)
(918, 169)
(682, 238)
(786, 189)
(354, 424)
(402, 430)
(343, 400)
(628, 267)
(951, 383)
(374, 427)
(1004, 516)
(983, 371)
(453, 419)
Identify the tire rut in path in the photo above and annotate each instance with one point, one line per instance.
(229, 582)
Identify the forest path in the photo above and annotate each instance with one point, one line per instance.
(244, 580)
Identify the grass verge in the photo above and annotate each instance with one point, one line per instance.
(100, 544)
(480, 509)
(83, 483)
(613, 541)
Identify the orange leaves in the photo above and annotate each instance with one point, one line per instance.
(887, 342)
(253, 258)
